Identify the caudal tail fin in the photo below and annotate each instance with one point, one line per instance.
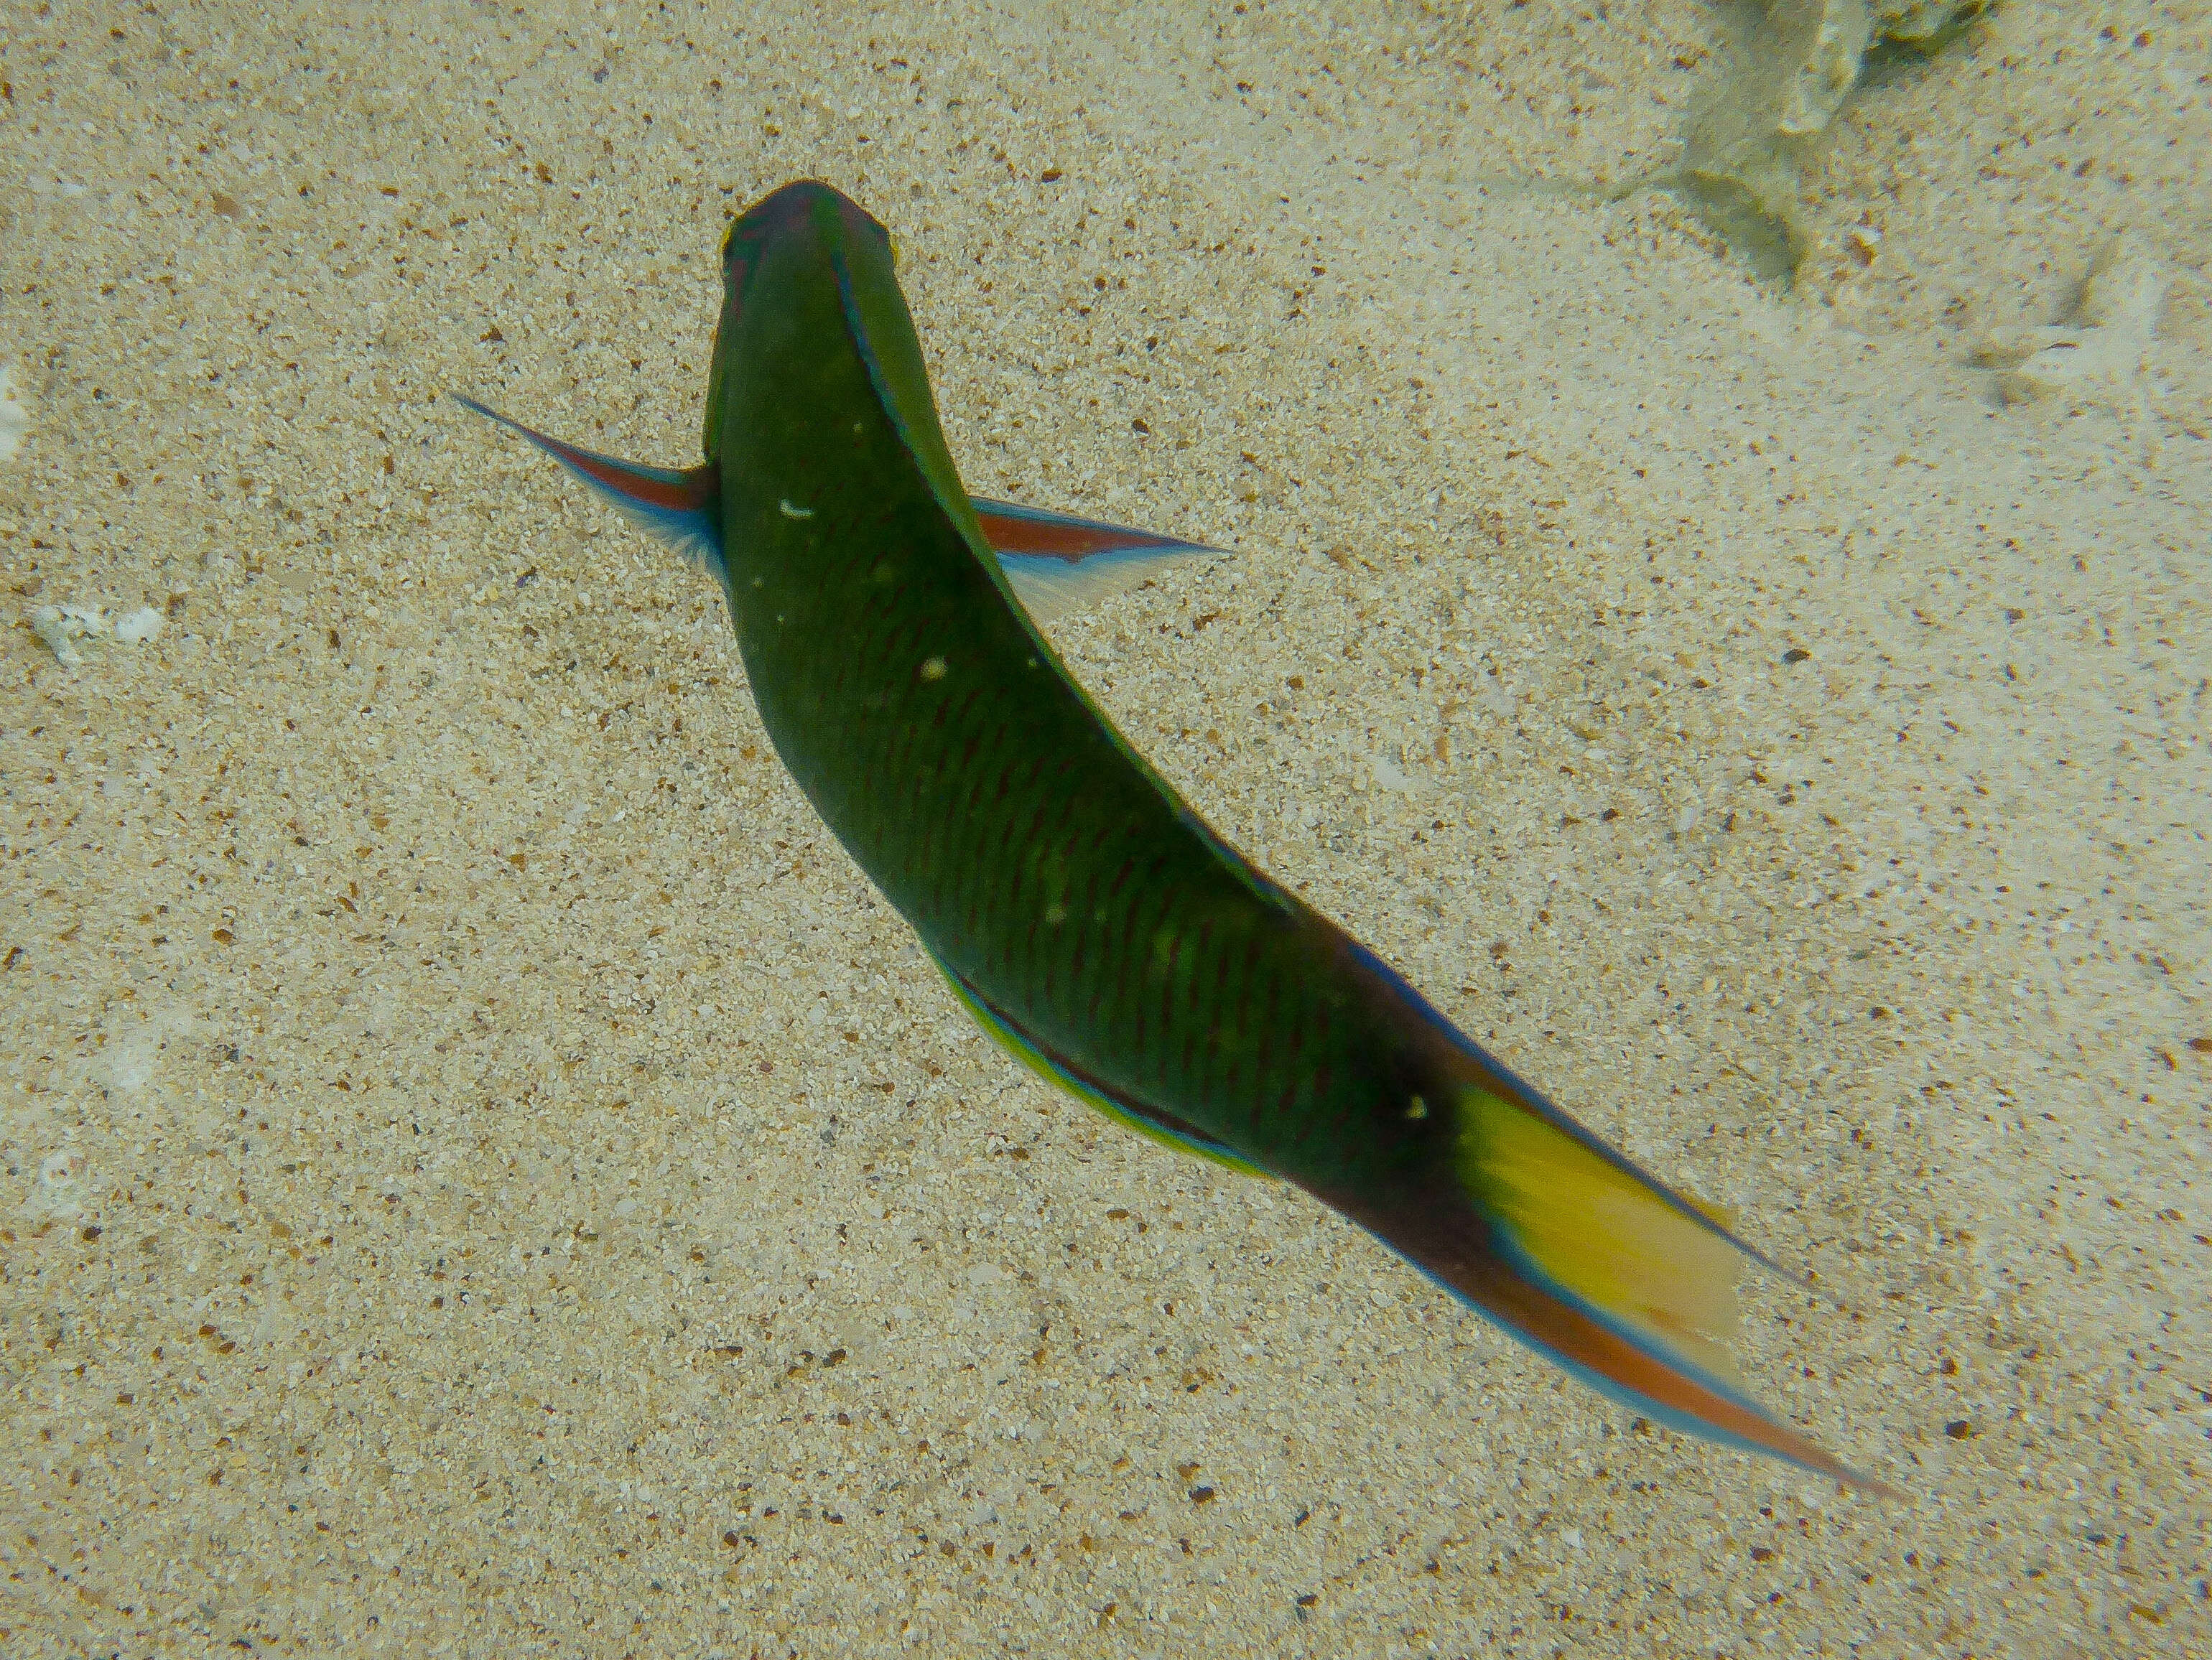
(1620, 1280)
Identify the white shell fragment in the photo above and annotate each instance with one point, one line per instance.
(63, 625)
(2100, 344)
(14, 419)
(69, 630)
(59, 1188)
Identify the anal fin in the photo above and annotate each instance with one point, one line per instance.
(1141, 1116)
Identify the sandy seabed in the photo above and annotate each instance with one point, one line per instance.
(485, 1176)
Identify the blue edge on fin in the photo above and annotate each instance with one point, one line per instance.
(678, 508)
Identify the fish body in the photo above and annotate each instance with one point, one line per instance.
(1088, 917)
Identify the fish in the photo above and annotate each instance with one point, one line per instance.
(1089, 919)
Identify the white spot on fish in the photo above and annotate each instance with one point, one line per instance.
(1054, 914)
(934, 668)
(1417, 1109)
(790, 512)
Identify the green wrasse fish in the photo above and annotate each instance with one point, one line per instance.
(1083, 913)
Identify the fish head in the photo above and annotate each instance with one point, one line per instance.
(805, 225)
(816, 346)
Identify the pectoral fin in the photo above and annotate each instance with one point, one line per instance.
(1056, 563)
(682, 509)
(1059, 564)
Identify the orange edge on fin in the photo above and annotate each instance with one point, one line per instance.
(1590, 1346)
